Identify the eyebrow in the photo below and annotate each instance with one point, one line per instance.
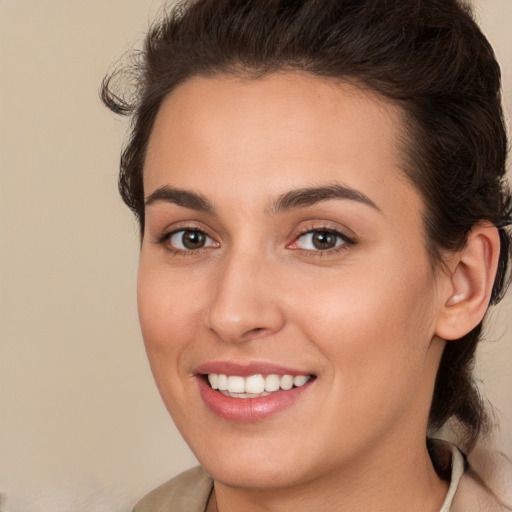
(180, 197)
(293, 200)
(304, 197)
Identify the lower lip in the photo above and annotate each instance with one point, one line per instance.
(249, 410)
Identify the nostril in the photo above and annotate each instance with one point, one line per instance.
(236, 318)
(256, 332)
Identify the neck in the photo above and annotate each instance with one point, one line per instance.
(404, 480)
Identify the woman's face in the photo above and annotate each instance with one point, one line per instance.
(282, 241)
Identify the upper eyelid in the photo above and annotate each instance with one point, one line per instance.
(326, 227)
(164, 241)
(179, 230)
(338, 234)
(184, 230)
(345, 241)
(182, 226)
(310, 227)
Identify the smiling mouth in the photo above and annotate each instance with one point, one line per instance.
(254, 386)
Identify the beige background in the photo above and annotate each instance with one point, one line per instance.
(81, 425)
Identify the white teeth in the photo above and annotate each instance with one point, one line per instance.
(300, 380)
(236, 384)
(255, 385)
(286, 382)
(213, 378)
(272, 383)
(222, 382)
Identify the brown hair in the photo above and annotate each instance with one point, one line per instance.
(429, 56)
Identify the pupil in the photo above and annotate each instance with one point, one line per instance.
(193, 239)
(324, 240)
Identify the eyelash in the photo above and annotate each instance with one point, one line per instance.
(346, 241)
(166, 237)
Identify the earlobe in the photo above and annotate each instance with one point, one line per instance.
(470, 281)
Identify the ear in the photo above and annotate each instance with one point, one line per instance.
(469, 277)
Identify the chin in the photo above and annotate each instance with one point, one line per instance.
(253, 462)
(243, 473)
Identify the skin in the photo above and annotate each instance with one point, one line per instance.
(362, 318)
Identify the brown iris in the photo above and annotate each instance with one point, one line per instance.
(324, 240)
(193, 239)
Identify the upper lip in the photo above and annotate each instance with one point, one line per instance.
(247, 369)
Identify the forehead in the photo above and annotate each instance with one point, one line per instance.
(251, 135)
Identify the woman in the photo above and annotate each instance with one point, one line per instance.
(324, 221)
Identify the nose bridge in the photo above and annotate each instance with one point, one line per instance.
(243, 305)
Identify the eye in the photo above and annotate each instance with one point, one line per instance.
(320, 240)
(189, 240)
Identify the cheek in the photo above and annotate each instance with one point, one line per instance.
(168, 308)
(168, 321)
(168, 318)
(374, 328)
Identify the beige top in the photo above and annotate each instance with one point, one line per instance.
(482, 485)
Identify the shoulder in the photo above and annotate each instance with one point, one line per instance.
(187, 492)
(486, 485)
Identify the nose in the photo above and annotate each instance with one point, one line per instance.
(245, 301)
